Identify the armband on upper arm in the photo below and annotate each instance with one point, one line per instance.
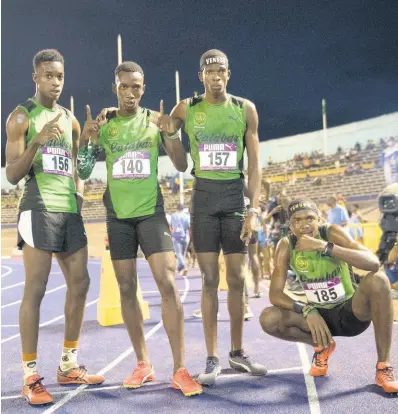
(86, 159)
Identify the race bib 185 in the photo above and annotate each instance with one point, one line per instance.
(331, 291)
(218, 157)
(133, 164)
(57, 161)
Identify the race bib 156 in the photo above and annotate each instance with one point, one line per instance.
(331, 291)
(218, 157)
(57, 161)
(133, 164)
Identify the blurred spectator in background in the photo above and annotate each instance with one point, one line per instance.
(337, 213)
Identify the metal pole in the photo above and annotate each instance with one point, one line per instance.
(119, 49)
(72, 105)
(325, 131)
(181, 175)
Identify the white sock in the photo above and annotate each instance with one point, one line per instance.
(68, 359)
(29, 368)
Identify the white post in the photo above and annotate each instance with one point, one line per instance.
(72, 105)
(119, 49)
(325, 131)
(181, 174)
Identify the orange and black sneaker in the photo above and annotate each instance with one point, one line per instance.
(142, 373)
(184, 382)
(385, 377)
(78, 375)
(320, 359)
(34, 391)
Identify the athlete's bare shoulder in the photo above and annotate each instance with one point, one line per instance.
(18, 120)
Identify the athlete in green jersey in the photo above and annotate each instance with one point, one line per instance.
(131, 138)
(42, 143)
(220, 126)
(321, 257)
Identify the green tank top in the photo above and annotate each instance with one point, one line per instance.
(49, 184)
(132, 148)
(216, 137)
(326, 280)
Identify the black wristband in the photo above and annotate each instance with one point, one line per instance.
(329, 249)
(298, 307)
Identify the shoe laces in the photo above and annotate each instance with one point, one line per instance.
(37, 387)
(140, 366)
(320, 360)
(387, 374)
(244, 357)
(81, 370)
(211, 364)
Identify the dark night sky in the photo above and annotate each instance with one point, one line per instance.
(285, 55)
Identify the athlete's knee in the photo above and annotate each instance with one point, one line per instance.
(79, 284)
(34, 291)
(211, 280)
(271, 320)
(167, 287)
(236, 279)
(128, 289)
(378, 282)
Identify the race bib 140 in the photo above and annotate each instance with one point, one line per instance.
(133, 164)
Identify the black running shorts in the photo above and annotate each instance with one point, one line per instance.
(151, 233)
(217, 216)
(56, 232)
(342, 321)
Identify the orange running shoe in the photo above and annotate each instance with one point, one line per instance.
(142, 373)
(385, 377)
(78, 375)
(34, 392)
(320, 359)
(184, 382)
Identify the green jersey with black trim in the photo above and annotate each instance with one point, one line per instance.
(326, 280)
(132, 148)
(49, 184)
(216, 137)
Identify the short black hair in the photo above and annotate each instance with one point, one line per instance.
(128, 67)
(47, 55)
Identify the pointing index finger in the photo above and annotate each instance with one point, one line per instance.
(55, 119)
(88, 111)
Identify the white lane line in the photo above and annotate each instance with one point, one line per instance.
(10, 326)
(12, 286)
(7, 272)
(19, 301)
(47, 323)
(309, 380)
(116, 387)
(115, 362)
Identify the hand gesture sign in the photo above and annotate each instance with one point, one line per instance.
(91, 127)
(50, 131)
(101, 118)
(165, 122)
(309, 244)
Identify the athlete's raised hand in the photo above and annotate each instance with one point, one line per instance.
(50, 131)
(101, 118)
(309, 244)
(165, 123)
(91, 127)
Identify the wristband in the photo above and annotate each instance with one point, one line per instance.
(308, 309)
(328, 249)
(79, 195)
(174, 136)
(253, 210)
(298, 306)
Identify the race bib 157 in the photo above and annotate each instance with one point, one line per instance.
(219, 157)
